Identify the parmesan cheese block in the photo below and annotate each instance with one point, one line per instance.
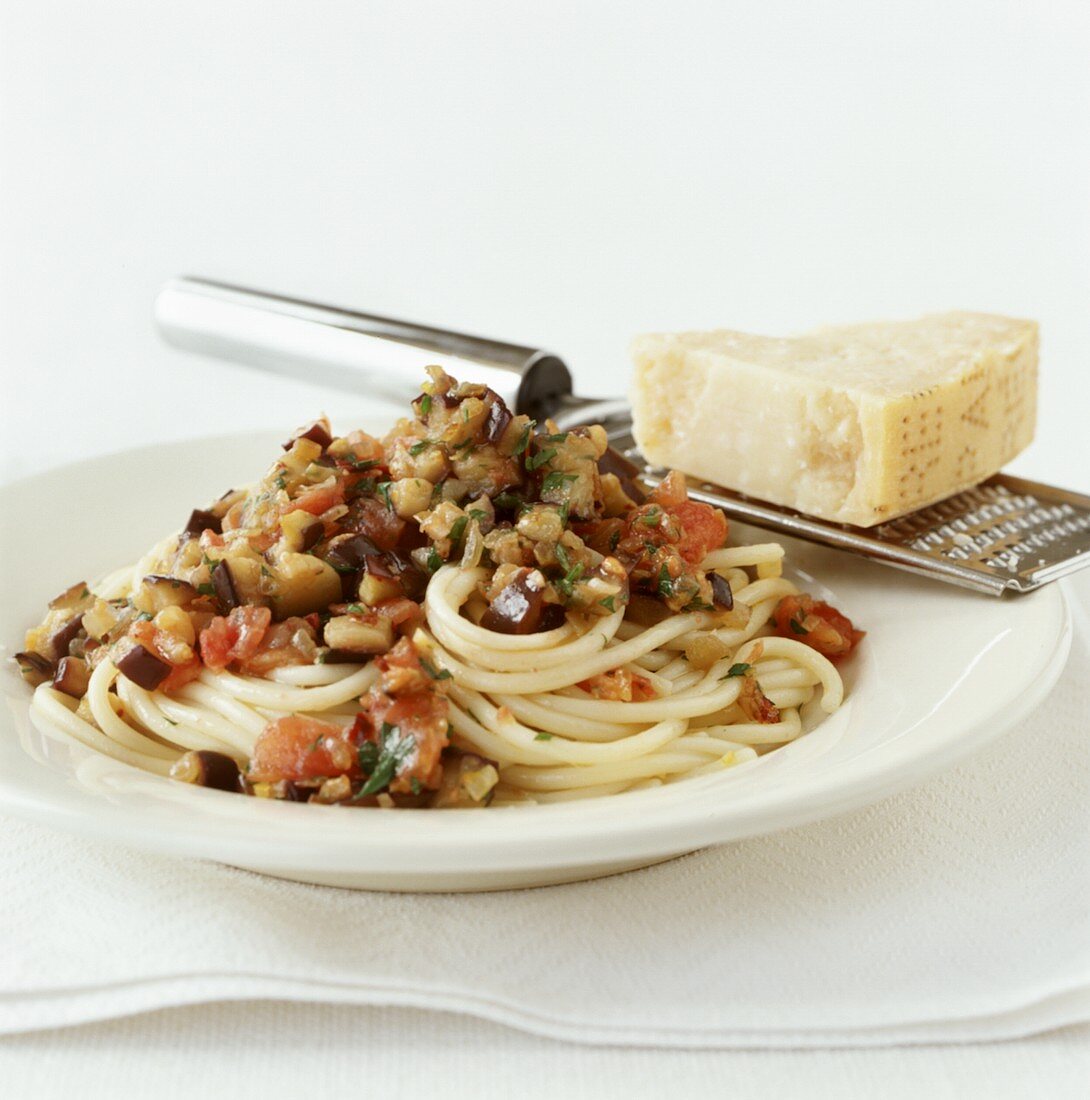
(856, 424)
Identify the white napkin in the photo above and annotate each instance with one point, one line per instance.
(958, 911)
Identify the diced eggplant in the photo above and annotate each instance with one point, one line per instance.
(626, 472)
(36, 668)
(200, 521)
(72, 677)
(520, 608)
(352, 635)
(223, 582)
(208, 769)
(312, 535)
(722, 596)
(62, 638)
(499, 416)
(158, 592)
(316, 432)
(347, 553)
(143, 667)
(78, 596)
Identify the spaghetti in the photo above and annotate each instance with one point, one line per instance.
(467, 612)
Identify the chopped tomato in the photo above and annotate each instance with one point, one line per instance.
(402, 671)
(419, 715)
(406, 615)
(302, 748)
(671, 491)
(292, 642)
(703, 529)
(619, 685)
(816, 624)
(236, 637)
(316, 501)
(754, 704)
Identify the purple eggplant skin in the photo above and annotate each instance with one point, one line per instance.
(223, 582)
(200, 521)
(35, 667)
(315, 432)
(63, 636)
(722, 596)
(499, 416)
(613, 462)
(72, 677)
(205, 768)
(520, 609)
(143, 668)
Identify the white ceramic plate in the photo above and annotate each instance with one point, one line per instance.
(941, 673)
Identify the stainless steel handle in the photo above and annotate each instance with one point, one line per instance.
(349, 350)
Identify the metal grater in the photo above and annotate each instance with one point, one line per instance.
(1006, 535)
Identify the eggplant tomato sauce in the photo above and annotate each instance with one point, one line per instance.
(328, 557)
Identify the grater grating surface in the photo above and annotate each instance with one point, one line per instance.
(1006, 535)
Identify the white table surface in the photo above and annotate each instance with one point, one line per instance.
(557, 174)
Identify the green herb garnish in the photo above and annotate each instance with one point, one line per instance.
(797, 627)
(543, 736)
(560, 437)
(524, 438)
(414, 785)
(392, 751)
(383, 488)
(533, 462)
(418, 448)
(651, 519)
(206, 589)
(433, 672)
(608, 603)
(665, 583)
(356, 609)
(425, 404)
(737, 670)
(557, 480)
(434, 560)
(458, 529)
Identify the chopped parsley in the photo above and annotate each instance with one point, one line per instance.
(562, 556)
(566, 582)
(565, 508)
(418, 448)
(143, 616)
(737, 670)
(414, 785)
(434, 560)
(458, 529)
(534, 462)
(206, 589)
(524, 438)
(797, 627)
(281, 482)
(479, 514)
(560, 437)
(543, 736)
(651, 518)
(557, 480)
(507, 500)
(356, 609)
(665, 583)
(608, 603)
(383, 488)
(382, 761)
(425, 404)
(433, 672)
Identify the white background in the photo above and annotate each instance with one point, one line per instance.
(566, 174)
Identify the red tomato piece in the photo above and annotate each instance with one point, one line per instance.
(302, 748)
(236, 637)
(704, 529)
(816, 624)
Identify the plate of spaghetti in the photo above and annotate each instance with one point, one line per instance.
(461, 650)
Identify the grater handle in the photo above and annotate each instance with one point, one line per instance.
(349, 350)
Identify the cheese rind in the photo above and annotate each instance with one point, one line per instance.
(856, 424)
